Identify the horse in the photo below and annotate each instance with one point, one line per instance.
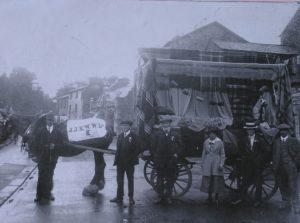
(99, 146)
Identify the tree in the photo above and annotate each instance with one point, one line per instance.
(16, 92)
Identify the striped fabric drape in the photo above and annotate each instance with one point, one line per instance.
(284, 98)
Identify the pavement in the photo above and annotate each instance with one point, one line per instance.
(15, 169)
(19, 177)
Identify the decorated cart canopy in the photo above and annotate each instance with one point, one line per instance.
(199, 92)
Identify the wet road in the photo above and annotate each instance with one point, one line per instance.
(72, 174)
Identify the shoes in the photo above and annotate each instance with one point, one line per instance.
(131, 201)
(159, 201)
(257, 204)
(297, 210)
(37, 199)
(41, 200)
(44, 199)
(51, 197)
(208, 201)
(285, 205)
(236, 202)
(169, 201)
(117, 200)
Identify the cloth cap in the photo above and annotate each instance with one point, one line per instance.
(126, 122)
(165, 121)
(50, 117)
(284, 126)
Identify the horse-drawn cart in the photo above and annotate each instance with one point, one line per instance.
(202, 93)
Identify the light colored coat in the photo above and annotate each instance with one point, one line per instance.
(213, 158)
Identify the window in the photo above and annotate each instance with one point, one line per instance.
(76, 95)
(76, 107)
(70, 112)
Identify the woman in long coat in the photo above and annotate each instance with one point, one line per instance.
(213, 158)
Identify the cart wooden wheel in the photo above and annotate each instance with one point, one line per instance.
(231, 177)
(269, 184)
(148, 167)
(183, 181)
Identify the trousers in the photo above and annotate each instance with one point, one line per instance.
(166, 177)
(121, 170)
(46, 167)
(287, 182)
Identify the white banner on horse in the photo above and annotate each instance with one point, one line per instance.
(84, 129)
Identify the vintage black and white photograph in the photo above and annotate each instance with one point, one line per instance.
(150, 111)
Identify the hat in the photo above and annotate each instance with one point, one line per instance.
(165, 121)
(126, 122)
(250, 125)
(50, 116)
(284, 126)
(264, 88)
(212, 129)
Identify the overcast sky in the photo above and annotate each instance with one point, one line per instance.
(70, 40)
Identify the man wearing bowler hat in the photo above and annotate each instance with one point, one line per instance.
(128, 149)
(166, 147)
(286, 156)
(48, 140)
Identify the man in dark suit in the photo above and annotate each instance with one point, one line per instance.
(253, 155)
(128, 149)
(48, 140)
(166, 147)
(286, 157)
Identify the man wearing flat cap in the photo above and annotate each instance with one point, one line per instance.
(166, 147)
(286, 156)
(128, 149)
(253, 154)
(48, 140)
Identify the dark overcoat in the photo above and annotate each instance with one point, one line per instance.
(293, 146)
(256, 156)
(164, 147)
(43, 140)
(128, 149)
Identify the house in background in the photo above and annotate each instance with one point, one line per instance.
(291, 34)
(203, 39)
(291, 37)
(117, 103)
(72, 104)
(215, 42)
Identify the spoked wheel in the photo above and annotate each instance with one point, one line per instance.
(183, 182)
(148, 167)
(269, 185)
(231, 177)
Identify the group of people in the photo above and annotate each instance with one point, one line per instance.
(166, 147)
